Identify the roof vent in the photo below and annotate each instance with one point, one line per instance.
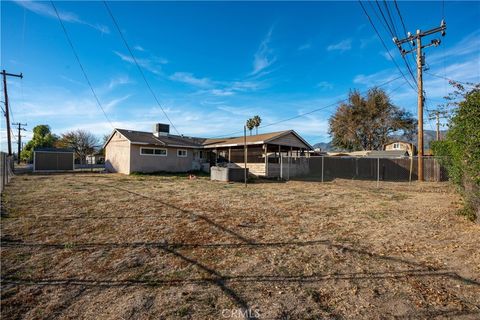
(161, 129)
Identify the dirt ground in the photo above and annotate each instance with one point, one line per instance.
(107, 246)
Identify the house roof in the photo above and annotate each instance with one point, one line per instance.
(147, 138)
(255, 139)
(141, 137)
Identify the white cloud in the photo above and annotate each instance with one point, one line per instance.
(114, 102)
(139, 48)
(150, 64)
(117, 81)
(264, 56)
(190, 79)
(48, 11)
(305, 46)
(388, 54)
(341, 46)
(324, 85)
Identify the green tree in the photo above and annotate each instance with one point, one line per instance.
(460, 150)
(42, 137)
(366, 123)
(250, 125)
(257, 121)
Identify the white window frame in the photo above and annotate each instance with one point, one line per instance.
(182, 156)
(155, 155)
(396, 146)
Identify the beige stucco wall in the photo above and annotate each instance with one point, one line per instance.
(289, 140)
(154, 163)
(117, 154)
(403, 146)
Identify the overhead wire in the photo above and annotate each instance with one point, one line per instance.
(385, 46)
(412, 55)
(318, 109)
(80, 63)
(138, 66)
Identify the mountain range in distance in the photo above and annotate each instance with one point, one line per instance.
(428, 137)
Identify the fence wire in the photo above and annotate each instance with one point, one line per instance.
(319, 168)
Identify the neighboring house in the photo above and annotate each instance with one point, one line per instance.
(401, 145)
(371, 154)
(96, 158)
(128, 151)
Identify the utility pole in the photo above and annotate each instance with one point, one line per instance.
(436, 115)
(416, 39)
(7, 111)
(20, 127)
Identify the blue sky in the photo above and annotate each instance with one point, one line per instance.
(213, 65)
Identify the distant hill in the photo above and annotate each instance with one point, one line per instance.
(429, 136)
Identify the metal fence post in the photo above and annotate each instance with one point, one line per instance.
(323, 159)
(378, 172)
(281, 167)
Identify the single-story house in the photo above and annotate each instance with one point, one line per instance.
(401, 145)
(128, 151)
(53, 160)
(95, 158)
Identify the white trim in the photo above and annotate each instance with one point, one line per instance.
(154, 154)
(180, 156)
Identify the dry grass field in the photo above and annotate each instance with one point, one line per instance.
(106, 246)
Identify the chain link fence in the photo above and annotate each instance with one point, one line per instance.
(6, 170)
(324, 168)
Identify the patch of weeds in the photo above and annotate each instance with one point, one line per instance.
(398, 197)
(468, 212)
(183, 311)
(376, 214)
(68, 245)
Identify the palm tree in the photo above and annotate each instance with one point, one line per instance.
(257, 121)
(250, 125)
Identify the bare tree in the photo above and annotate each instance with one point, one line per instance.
(82, 142)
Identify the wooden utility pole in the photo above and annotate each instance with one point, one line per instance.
(7, 110)
(437, 115)
(245, 157)
(416, 39)
(20, 127)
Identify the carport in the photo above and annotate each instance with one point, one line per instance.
(53, 160)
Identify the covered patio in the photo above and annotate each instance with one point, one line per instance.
(264, 153)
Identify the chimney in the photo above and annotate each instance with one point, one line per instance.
(161, 129)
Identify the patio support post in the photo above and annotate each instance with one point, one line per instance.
(265, 146)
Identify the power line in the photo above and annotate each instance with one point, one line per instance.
(393, 33)
(318, 109)
(384, 45)
(390, 17)
(138, 66)
(452, 80)
(80, 64)
(404, 30)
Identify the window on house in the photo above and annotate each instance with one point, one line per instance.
(396, 146)
(153, 152)
(181, 153)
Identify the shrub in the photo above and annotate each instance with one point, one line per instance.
(461, 149)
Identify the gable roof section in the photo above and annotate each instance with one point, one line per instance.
(147, 138)
(251, 140)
